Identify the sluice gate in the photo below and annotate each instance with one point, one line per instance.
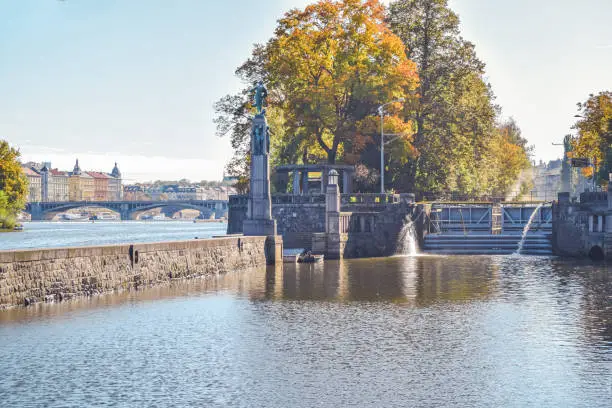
(488, 228)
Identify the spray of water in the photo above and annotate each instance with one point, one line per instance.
(407, 240)
(526, 229)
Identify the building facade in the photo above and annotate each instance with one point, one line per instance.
(34, 184)
(115, 189)
(100, 182)
(54, 184)
(59, 190)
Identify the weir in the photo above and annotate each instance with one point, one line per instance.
(474, 228)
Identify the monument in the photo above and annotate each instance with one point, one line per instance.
(259, 212)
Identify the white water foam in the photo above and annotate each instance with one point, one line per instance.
(407, 240)
(526, 229)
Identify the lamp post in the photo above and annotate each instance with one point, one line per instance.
(382, 143)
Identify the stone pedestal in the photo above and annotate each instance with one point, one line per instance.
(335, 239)
(259, 211)
(259, 227)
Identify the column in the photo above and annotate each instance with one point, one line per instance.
(334, 239)
(305, 182)
(599, 223)
(346, 188)
(296, 182)
(323, 180)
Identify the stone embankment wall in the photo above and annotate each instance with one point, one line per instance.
(382, 233)
(584, 228)
(299, 218)
(31, 276)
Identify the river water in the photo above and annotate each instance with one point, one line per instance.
(397, 332)
(63, 234)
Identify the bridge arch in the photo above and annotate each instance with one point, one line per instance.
(126, 209)
(170, 209)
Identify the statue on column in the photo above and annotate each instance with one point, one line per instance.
(261, 93)
(259, 219)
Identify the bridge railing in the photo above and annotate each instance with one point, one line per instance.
(593, 196)
(298, 199)
(354, 199)
(361, 198)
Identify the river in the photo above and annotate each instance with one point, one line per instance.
(477, 331)
(66, 234)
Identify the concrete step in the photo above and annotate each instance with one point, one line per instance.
(489, 251)
(536, 243)
(509, 247)
(485, 241)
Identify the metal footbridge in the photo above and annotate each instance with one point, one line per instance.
(488, 229)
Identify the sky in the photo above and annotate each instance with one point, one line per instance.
(135, 81)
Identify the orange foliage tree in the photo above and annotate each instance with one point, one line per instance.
(327, 69)
(594, 128)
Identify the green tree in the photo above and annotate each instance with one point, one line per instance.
(13, 184)
(453, 108)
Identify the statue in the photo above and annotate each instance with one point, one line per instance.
(261, 139)
(261, 93)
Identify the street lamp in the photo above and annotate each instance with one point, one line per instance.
(382, 143)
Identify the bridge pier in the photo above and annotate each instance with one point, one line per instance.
(36, 212)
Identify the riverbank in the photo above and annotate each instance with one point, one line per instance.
(55, 274)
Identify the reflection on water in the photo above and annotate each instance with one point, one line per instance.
(418, 280)
(401, 331)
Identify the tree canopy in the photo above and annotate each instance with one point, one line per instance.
(329, 66)
(455, 112)
(594, 132)
(13, 184)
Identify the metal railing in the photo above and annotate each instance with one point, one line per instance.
(345, 199)
(593, 196)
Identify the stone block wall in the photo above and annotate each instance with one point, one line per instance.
(295, 222)
(382, 233)
(31, 276)
(570, 232)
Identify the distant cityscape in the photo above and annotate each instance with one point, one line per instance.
(48, 184)
(547, 181)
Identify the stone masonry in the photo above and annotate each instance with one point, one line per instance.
(31, 276)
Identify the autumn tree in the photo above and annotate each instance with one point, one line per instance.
(13, 184)
(335, 63)
(594, 132)
(506, 156)
(328, 68)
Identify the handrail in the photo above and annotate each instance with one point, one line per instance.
(462, 222)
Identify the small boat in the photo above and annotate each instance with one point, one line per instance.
(18, 228)
(309, 257)
(290, 258)
(291, 255)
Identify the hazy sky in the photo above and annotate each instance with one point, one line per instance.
(134, 81)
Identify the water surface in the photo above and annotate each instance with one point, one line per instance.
(396, 332)
(63, 234)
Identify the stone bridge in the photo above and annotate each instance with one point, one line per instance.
(128, 210)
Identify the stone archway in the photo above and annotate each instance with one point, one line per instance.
(596, 253)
